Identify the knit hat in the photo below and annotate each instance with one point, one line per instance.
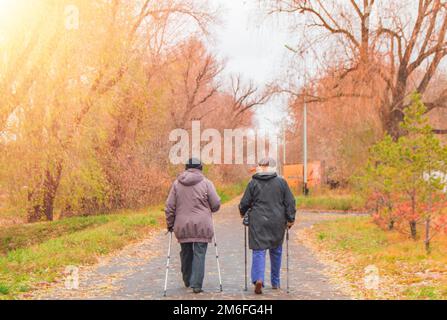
(194, 163)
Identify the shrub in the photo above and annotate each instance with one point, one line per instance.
(400, 179)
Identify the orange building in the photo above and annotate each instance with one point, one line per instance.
(294, 175)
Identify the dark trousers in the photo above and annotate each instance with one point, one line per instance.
(193, 256)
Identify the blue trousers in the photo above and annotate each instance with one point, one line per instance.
(258, 266)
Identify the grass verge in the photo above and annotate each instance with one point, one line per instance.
(330, 202)
(74, 241)
(351, 245)
(231, 191)
(25, 235)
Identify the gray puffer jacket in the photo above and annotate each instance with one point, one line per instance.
(190, 204)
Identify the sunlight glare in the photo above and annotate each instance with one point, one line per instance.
(6, 5)
(9, 8)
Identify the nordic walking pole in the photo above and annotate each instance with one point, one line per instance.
(287, 248)
(246, 260)
(217, 256)
(167, 263)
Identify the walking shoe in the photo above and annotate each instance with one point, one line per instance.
(197, 290)
(275, 287)
(186, 284)
(258, 287)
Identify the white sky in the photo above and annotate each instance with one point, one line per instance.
(252, 45)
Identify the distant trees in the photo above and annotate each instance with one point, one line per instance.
(89, 96)
(402, 177)
(373, 44)
(197, 85)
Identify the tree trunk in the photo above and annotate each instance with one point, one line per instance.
(41, 200)
(51, 185)
(49, 194)
(365, 33)
(427, 236)
(394, 112)
(34, 211)
(393, 124)
(391, 225)
(413, 230)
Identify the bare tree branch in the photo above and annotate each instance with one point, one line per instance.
(246, 96)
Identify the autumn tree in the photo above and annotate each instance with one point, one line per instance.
(398, 45)
(91, 91)
(196, 84)
(59, 73)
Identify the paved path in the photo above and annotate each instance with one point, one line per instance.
(138, 271)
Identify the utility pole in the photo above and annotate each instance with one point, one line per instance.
(278, 156)
(305, 156)
(305, 153)
(284, 141)
(282, 162)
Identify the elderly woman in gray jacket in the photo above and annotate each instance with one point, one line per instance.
(189, 208)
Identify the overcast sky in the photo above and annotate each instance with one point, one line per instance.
(253, 45)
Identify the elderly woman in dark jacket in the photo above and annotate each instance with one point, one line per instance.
(270, 206)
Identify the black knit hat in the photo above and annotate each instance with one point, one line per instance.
(194, 163)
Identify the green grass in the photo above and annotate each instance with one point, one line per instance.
(4, 290)
(21, 269)
(353, 234)
(330, 202)
(231, 191)
(22, 236)
(356, 242)
(424, 293)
